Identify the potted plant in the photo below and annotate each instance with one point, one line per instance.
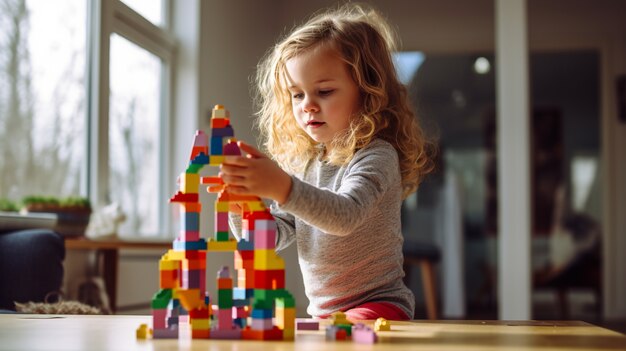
(73, 213)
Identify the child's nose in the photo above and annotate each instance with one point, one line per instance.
(309, 106)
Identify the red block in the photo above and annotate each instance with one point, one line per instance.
(270, 279)
(273, 334)
(180, 197)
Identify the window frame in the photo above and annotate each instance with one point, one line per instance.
(106, 17)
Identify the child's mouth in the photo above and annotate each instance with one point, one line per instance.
(315, 124)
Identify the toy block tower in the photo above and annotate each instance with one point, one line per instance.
(260, 272)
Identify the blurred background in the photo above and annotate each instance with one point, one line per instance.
(101, 98)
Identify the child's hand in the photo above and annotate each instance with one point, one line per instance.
(255, 174)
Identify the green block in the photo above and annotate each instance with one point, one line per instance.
(161, 299)
(262, 305)
(224, 298)
(286, 302)
(221, 236)
(265, 294)
(193, 168)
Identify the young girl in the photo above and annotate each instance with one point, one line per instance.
(345, 150)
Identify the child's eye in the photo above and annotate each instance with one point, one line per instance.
(326, 92)
(297, 96)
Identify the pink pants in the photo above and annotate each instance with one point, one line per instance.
(374, 310)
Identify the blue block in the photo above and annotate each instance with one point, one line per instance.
(200, 159)
(262, 313)
(242, 294)
(244, 245)
(241, 302)
(217, 144)
(172, 321)
(241, 322)
(223, 132)
(189, 245)
(191, 222)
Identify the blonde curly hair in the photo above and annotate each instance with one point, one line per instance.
(364, 41)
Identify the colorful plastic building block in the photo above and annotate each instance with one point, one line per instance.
(363, 334)
(307, 324)
(143, 332)
(260, 290)
(382, 324)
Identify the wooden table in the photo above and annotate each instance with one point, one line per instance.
(108, 250)
(41, 332)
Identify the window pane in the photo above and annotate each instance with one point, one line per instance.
(134, 118)
(150, 9)
(42, 97)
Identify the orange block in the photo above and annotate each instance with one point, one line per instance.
(219, 122)
(224, 283)
(200, 334)
(192, 206)
(213, 180)
(168, 279)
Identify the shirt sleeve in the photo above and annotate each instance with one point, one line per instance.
(285, 223)
(368, 176)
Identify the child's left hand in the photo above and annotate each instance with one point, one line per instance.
(255, 174)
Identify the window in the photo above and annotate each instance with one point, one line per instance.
(130, 116)
(151, 10)
(84, 101)
(134, 135)
(42, 97)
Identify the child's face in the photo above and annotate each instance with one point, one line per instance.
(323, 94)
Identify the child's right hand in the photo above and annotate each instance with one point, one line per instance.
(255, 174)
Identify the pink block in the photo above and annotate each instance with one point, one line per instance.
(307, 325)
(264, 239)
(239, 312)
(225, 319)
(265, 224)
(363, 334)
(158, 318)
(248, 235)
(221, 221)
(229, 334)
(200, 139)
(189, 235)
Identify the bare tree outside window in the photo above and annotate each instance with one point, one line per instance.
(42, 97)
(134, 136)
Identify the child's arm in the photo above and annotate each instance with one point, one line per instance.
(372, 174)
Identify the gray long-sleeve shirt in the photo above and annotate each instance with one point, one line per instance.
(346, 223)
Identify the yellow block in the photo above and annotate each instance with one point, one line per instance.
(216, 160)
(288, 334)
(176, 255)
(199, 324)
(189, 183)
(286, 318)
(253, 206)
(230, 245)
(166, 264)
(220, 112)
(267, 260)
(221, 206)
